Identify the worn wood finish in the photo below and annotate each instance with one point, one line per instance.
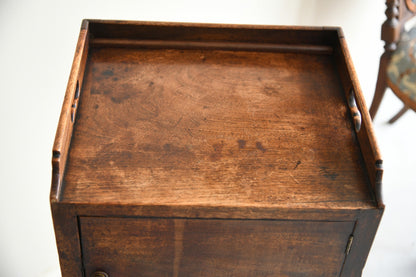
(175, 140)
(195, 247)
(194, 149)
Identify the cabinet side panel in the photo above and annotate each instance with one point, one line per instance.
(364, 233)
(67, 240)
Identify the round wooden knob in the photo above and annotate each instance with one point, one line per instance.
(99, 274)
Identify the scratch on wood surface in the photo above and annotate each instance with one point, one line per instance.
(294, 179)
(177, 123)
(189, 132)
(297, 164)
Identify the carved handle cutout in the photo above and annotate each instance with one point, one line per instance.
(75, 103)
(355, 113)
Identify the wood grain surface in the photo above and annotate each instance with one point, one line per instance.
(214, 127)
(194, 247)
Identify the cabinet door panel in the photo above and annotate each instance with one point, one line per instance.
(213, 247)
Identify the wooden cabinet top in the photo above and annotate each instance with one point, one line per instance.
(209, 115)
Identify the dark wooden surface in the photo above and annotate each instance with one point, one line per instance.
(194, 247)
(202, 149)
(206, 127)
(364, 232)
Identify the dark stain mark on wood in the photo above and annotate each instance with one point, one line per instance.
(297, 164)
(260, 147)
(173, 154)
(327, 173)
(249, 166)
(115, 79)
(151, 84)
(167, 147)
(241, 144)
(120, 99)
(152, 147)
(218, 146)
(270, 91)
(107, 73)
(217, 151)
(99, 78)
(96, 106)
(126, 155)
(94, 91)
(271, 166)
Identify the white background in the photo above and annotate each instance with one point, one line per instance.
(37, 44)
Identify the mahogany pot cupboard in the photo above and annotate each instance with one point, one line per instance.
(213, 150)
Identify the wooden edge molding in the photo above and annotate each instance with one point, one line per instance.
(215, 212)
(205, 25)
(365, 135)
(68, 113)
(168, 34)
(236, 46)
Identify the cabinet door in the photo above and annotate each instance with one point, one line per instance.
(212, 247)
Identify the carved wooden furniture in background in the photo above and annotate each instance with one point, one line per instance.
(213, 150)
(398, 63)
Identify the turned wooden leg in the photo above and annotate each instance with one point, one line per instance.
(399, 114)
(380, 86)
